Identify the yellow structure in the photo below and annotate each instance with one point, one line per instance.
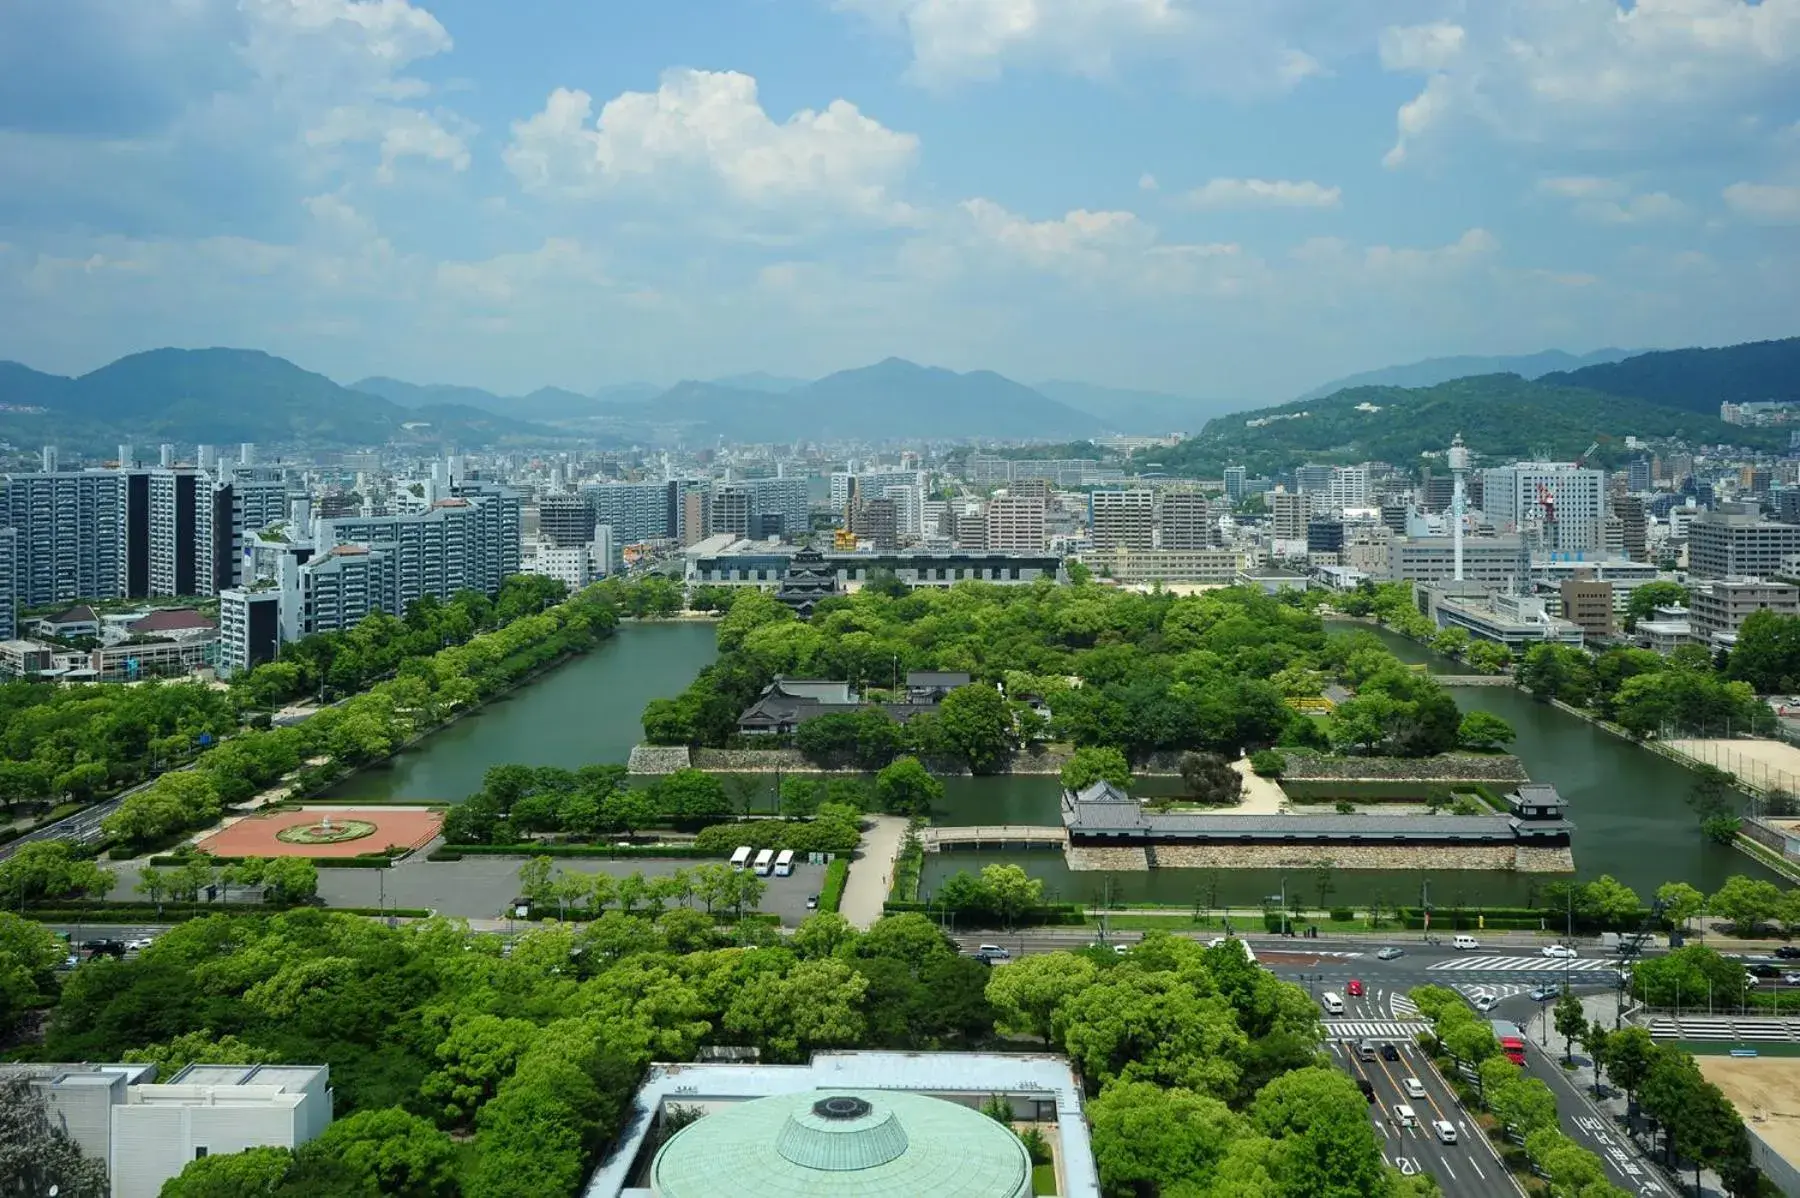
(1316, 705)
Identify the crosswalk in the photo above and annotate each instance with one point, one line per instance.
(1522, 965)
(1705, 1027)
(1358, 1029)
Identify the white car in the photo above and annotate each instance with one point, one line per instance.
(1484, 1002)
(1560, 950)
(1414, 1087)
(139, 945)
(1446, 1130)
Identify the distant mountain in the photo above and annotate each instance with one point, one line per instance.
(1433, 371)
(614, 393)
(1502, 417)
(1141, 413)
(219, 396)
(1699, 380)
(413, 395)
(759, 380)
(890, 401)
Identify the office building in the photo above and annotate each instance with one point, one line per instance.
(1637, 476)
(1436, 492)
(1313, 480)
(1734, 541)
(1204, 567)
(1588, 603)
(1016, 524)
(1717, 610)
(249, 628)
(1291, 511)
(696, 515)
(732, 508)
(636, 512)
(566, 521)
(1633, 527)
(71, 533)
(721, 562)
(877, 521)
(147, 1132)
(1560, 507)
(1325, 536)
(1235, 477)
(1186, 521)
(1516, 621)
(1495, 561)
(1122, 519)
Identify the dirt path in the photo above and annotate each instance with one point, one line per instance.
(872, 870)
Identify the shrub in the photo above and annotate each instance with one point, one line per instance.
(1267, 763)
(835, 876)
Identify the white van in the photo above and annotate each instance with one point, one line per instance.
(1333, 1003)
(1414, 1087)
(1465, 941)
(1446, 1131)
(1403, 1115)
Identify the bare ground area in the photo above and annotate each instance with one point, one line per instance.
(1766, 1092)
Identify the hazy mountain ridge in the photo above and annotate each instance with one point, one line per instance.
(1141, 413)
(1699, 380)
(1429, 372)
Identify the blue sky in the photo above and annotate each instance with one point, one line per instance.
(1217, 198)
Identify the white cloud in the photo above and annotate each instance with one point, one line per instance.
(1080, 239)
(711, 125)
(1599, 75)
(1611, 201)
(1263, 193)
(1765, 203)
(1147, 182)
(1230, 46)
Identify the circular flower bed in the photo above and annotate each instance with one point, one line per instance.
(332, 832)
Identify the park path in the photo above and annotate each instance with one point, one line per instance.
(872, 870)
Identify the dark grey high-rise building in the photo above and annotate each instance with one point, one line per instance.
(879, 521)
(732, 510)
(1637, 475)
(566, 521)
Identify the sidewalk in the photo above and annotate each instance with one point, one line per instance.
(872, 870)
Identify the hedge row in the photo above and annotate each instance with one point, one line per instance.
(833, 891)
(456, 852)
(371, 861)
(1057, 913)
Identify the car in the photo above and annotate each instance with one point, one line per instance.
(1367, 1087)
(1788, 952)
(1414, 1087)
(1446, 1131)
(1121, 949)
(1484, 1002)
(140, 944)
(812, 902)
(1389, 953)
(995, 952)
(1791, 977)
(1389, 1052)
(1355, 988)
(1761, 970)
(1545, 993)
(1750, 979)
(71, 961)
(103, 948)
(1560, 951)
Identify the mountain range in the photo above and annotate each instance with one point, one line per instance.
(1671, 394)
(1432, 371)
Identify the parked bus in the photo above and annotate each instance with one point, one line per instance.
(784, 863)
(765, 861)
(741, 858)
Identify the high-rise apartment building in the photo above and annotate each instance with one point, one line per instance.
(1122, 519)
(71, 534)
(1563, 504)
(781, 504)
(180, 534)
(732, 510)
(1347, 487)
(1633, 526)
(1312, 479)
(696, 514)
(258, 497)
(1186, 521)
(9, 584)
(249, 628)
(468, 541)
(1235, 478)
(1292, 510)
(1016, 524)
(635, 511)
(347, 582)
(565, 520)
(877, 520)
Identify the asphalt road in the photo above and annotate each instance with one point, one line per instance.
(1470, 1166)
(1625, 1164)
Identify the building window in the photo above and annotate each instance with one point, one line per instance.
(199, 1153)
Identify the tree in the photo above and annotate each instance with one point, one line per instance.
(1151, 1140)
(1027, 993)
(1209, 778)
(1571, 1023)
(907, 788)
(1484, 730)
(400, 1153)
(1680, 903)
(230, 1175)
(800, 797)
(815, 1005)
(1325, 1142)
(1629, 1054)
(1746, 902)
(976, 726)
(1647, 597)
(1767, 653)
(1012, 891)
(36, 1155)
(1608, 901)
(1092, 764)
(630, 811)
(290, 880)
(690, 794)
(200, 1048)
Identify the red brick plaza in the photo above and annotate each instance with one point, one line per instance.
(257, 835)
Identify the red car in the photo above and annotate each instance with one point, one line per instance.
(1354, 989)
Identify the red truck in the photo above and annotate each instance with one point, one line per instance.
(1512, 1041)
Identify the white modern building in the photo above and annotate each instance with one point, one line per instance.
(1561, 505)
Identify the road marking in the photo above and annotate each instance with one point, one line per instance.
(1448, 1169)
(1477, 1168)
(1523, 965)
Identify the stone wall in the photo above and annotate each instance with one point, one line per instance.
(1080, 858)
(1275, 856)
(1305, 766)
(658, 759)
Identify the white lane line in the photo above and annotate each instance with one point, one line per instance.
(1477, 1169)
(1449, 1170)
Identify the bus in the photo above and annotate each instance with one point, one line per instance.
(765, 861)
(784, 864)
(741, 858)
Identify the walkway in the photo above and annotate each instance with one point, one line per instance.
(872, 870)
(993, 836)
(1473, 679)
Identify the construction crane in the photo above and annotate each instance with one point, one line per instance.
(1585, 454)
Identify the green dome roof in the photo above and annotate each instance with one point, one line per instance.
(859, 1142)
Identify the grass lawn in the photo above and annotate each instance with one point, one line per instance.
(1043, 1179)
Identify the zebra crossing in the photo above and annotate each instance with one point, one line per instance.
(1358, 1029)
(1711, 1027)
(1523, 965)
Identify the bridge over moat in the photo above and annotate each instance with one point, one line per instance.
(994, 836)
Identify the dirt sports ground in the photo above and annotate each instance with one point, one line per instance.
(256, 835)
(1766, 1093)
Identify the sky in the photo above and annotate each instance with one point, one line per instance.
(1215, 198)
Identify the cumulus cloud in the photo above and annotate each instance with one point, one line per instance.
(1599, 75)
(711, 125)
(1611, 201)
(1263, 193)
(1765, 203)
(1230, 46)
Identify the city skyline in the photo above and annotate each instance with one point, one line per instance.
(1224, 201)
